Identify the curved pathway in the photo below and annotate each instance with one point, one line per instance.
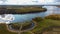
(19, 32)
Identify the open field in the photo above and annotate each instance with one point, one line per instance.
(52, 30)
(3, 30)
(44, 24)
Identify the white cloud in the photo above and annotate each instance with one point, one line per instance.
(7, 19)
(28, 2)
(11, 2)
(1, 2)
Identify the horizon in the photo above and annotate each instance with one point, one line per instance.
(29, 2)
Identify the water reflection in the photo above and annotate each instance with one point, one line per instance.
(50, 10)
(25, 17)
(6, 18)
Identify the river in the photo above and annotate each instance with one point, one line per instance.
(27, 17)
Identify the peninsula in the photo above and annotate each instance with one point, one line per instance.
(21, 9)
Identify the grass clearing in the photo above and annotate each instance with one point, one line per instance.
(45, 24)
(3, 30)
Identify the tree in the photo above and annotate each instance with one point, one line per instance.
(38, 19)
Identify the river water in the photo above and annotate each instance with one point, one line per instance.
(50, 10)
(27, 17)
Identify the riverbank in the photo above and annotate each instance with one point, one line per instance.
(5, 29)
(21, 10)
(43, 24)
(40, 25)
(14, 27)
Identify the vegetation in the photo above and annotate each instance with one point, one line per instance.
(15, 26)
(25, 33)
(28, 26)
(38, 19)
(3, 30)
(41, 23)
(54, 17)
(25, 25)
(30, 10)
(45, 23)
(21, 10)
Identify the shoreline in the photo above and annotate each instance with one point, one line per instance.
(21, 30)
(15, 12)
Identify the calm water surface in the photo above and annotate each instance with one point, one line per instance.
(25, 17)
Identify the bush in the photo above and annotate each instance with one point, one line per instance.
(38, 19)
(54, 17)
(15, 26)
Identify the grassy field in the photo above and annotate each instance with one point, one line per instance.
(25, 33)
(3, 30)
(40, 26)
(21, 10)
(31, 9)
(44, 24)
(25, 25)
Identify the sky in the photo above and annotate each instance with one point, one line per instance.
(28, 2)
(6, 18)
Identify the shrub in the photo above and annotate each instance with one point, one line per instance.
(54, 17)
(38, 19)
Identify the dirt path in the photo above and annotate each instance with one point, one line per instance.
(19, 32)
(21, 28)
(11, 30)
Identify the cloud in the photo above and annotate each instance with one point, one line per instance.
(28, 2)
(7, 19)
(1, 2)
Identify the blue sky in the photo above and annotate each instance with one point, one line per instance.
(28, 2)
